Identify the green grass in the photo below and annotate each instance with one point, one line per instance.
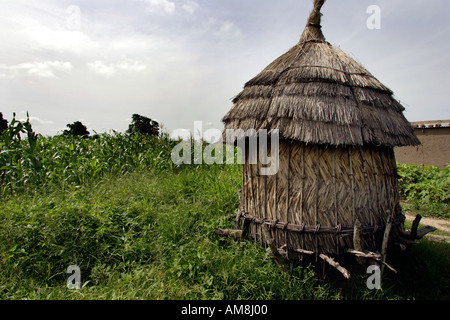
(140, 228)
(145, 235)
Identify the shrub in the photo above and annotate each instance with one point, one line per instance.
(426, 187)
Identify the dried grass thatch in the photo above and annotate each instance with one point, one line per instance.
(315, 93)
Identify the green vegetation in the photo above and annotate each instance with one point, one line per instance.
(426, 189)
(142, 228)
(56, 162)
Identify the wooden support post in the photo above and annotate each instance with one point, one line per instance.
(357, 240)
(371, 256)
(368, 255)
(336, 265)
(414, 227)
(302, 251)
(423, 231)
(387, 231)
(385, 242)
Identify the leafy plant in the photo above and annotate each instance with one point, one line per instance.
(39, 162)
(427, 188)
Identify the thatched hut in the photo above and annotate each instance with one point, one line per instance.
(338, 126)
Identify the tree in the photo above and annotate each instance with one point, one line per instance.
(3, 123)
(76, 129)
(143, 125)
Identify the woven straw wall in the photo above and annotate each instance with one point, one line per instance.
(318, 193)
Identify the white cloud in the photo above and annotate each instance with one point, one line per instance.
(99, 67)
(109, 70)
(40, 69)
(35, 121)
(223, 28)
(190, 6)
(159, 6)
(60, 40)
(230, 28)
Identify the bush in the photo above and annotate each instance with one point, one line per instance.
(427, 188)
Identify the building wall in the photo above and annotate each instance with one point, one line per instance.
(435, 148)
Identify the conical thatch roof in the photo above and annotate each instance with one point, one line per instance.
(315, 93)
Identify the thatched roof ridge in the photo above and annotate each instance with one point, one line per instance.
(316, 93)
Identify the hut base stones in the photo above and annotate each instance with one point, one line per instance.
(335, 189)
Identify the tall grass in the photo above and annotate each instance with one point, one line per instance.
(54, 162)
(141, 235)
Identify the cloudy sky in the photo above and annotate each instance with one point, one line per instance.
(180, 61)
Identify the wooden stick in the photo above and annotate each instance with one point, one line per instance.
(423, 231)
(387, 231)
(384, 244)
(336, 265)
(414, 227)
(367, 254)
(357, 240)
(387, 265)
(370, 255)
(303, 251)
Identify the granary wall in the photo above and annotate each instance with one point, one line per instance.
(435, 148)
(319, 192)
